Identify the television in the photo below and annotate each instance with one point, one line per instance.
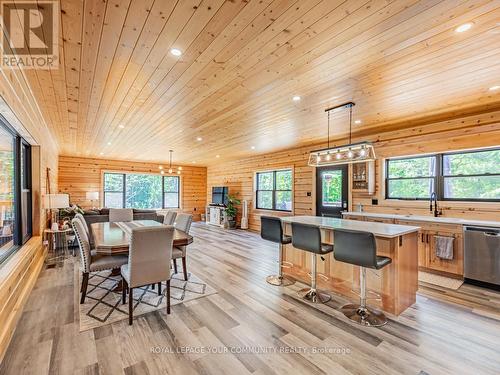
(219, 195)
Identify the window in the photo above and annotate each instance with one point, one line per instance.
(412, 178)
(15, 191)
(274, 190)
(472, 175)
(469, 175)
(114, 190)
(145, 191)
(171, 192)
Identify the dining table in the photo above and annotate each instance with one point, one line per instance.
(114, 238)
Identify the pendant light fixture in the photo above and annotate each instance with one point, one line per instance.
(344, 154)
(170, 169)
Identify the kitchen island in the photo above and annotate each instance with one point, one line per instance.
(396, 284)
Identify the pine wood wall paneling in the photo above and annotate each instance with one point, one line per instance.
(79, 175)
(455, 133)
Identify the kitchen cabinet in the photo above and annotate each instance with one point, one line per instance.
(427, 258)
(363, 177)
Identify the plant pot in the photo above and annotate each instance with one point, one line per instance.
(231, 224)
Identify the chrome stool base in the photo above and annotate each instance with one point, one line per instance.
(366, 317)
(314, 295)
(278, 280)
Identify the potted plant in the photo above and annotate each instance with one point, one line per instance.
(231, 211)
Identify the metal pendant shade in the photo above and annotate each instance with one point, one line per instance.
(344, 154)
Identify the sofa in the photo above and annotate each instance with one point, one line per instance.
(102, 215)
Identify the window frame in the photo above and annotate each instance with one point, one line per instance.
(163, 191)
(273, 191)
(443, 176)
(124, 190)
(19, 144)
(439, 176)
(434, 178)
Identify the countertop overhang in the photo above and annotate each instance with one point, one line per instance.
(378, 229)
(442, 220)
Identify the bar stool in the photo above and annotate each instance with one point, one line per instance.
(308, 237)
(360, 249)
(272, 230)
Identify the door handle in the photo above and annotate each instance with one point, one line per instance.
(492, 234)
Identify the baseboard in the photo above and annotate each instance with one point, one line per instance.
(17, 278)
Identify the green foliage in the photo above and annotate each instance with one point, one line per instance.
(113, 182)
(460, 183)
(332, 188)
(282, 192)
(143, 191)
(231, 210)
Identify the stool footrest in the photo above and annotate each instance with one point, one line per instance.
(278, 280)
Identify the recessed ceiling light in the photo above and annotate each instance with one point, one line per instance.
(109, 143)
(296, 98)
(162, 172)
(121, 126)
(199, 139)
(217, 156)
(464, 27)
(253, 147)
(494, 88)
(357, 121)
(160, 167)
(102, 153)
(193, 162)
(175, 52)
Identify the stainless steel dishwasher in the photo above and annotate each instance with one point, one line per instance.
(482, 254)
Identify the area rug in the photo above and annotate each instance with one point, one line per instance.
(103, 305)
(443, 281)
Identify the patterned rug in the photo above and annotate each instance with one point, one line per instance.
(443, 281)
(103, 305)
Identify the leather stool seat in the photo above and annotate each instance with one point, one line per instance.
(308, 238)
(271, 229)
(382, 262)
(360, 249)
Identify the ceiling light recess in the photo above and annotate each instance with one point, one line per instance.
(494, 88)
(464, 27)
(344, 154)
(296, 98)
(176, 52)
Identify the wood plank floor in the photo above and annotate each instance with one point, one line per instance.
(253, 327)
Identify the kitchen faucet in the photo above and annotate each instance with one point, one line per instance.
(434, 200)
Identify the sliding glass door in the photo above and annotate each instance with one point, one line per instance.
(15, 191)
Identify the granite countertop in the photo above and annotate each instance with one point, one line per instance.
(441, 219)
(378, 229)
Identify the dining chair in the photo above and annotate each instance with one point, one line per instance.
(90, 260)
(183, 223)
(80, 217)
(148, 262)
(120, 214)
(169, 218)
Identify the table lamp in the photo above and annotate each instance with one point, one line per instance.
(55, 202)
(92, 196)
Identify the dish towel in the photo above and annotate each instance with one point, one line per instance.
(444, 247)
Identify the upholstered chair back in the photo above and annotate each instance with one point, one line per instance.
(150, 254)
(183, 222)
(83, 243)
(120, 214)
(355, 247)
(80, 217)
(169, 218)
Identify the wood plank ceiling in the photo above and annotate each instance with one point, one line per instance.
(121, 93)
